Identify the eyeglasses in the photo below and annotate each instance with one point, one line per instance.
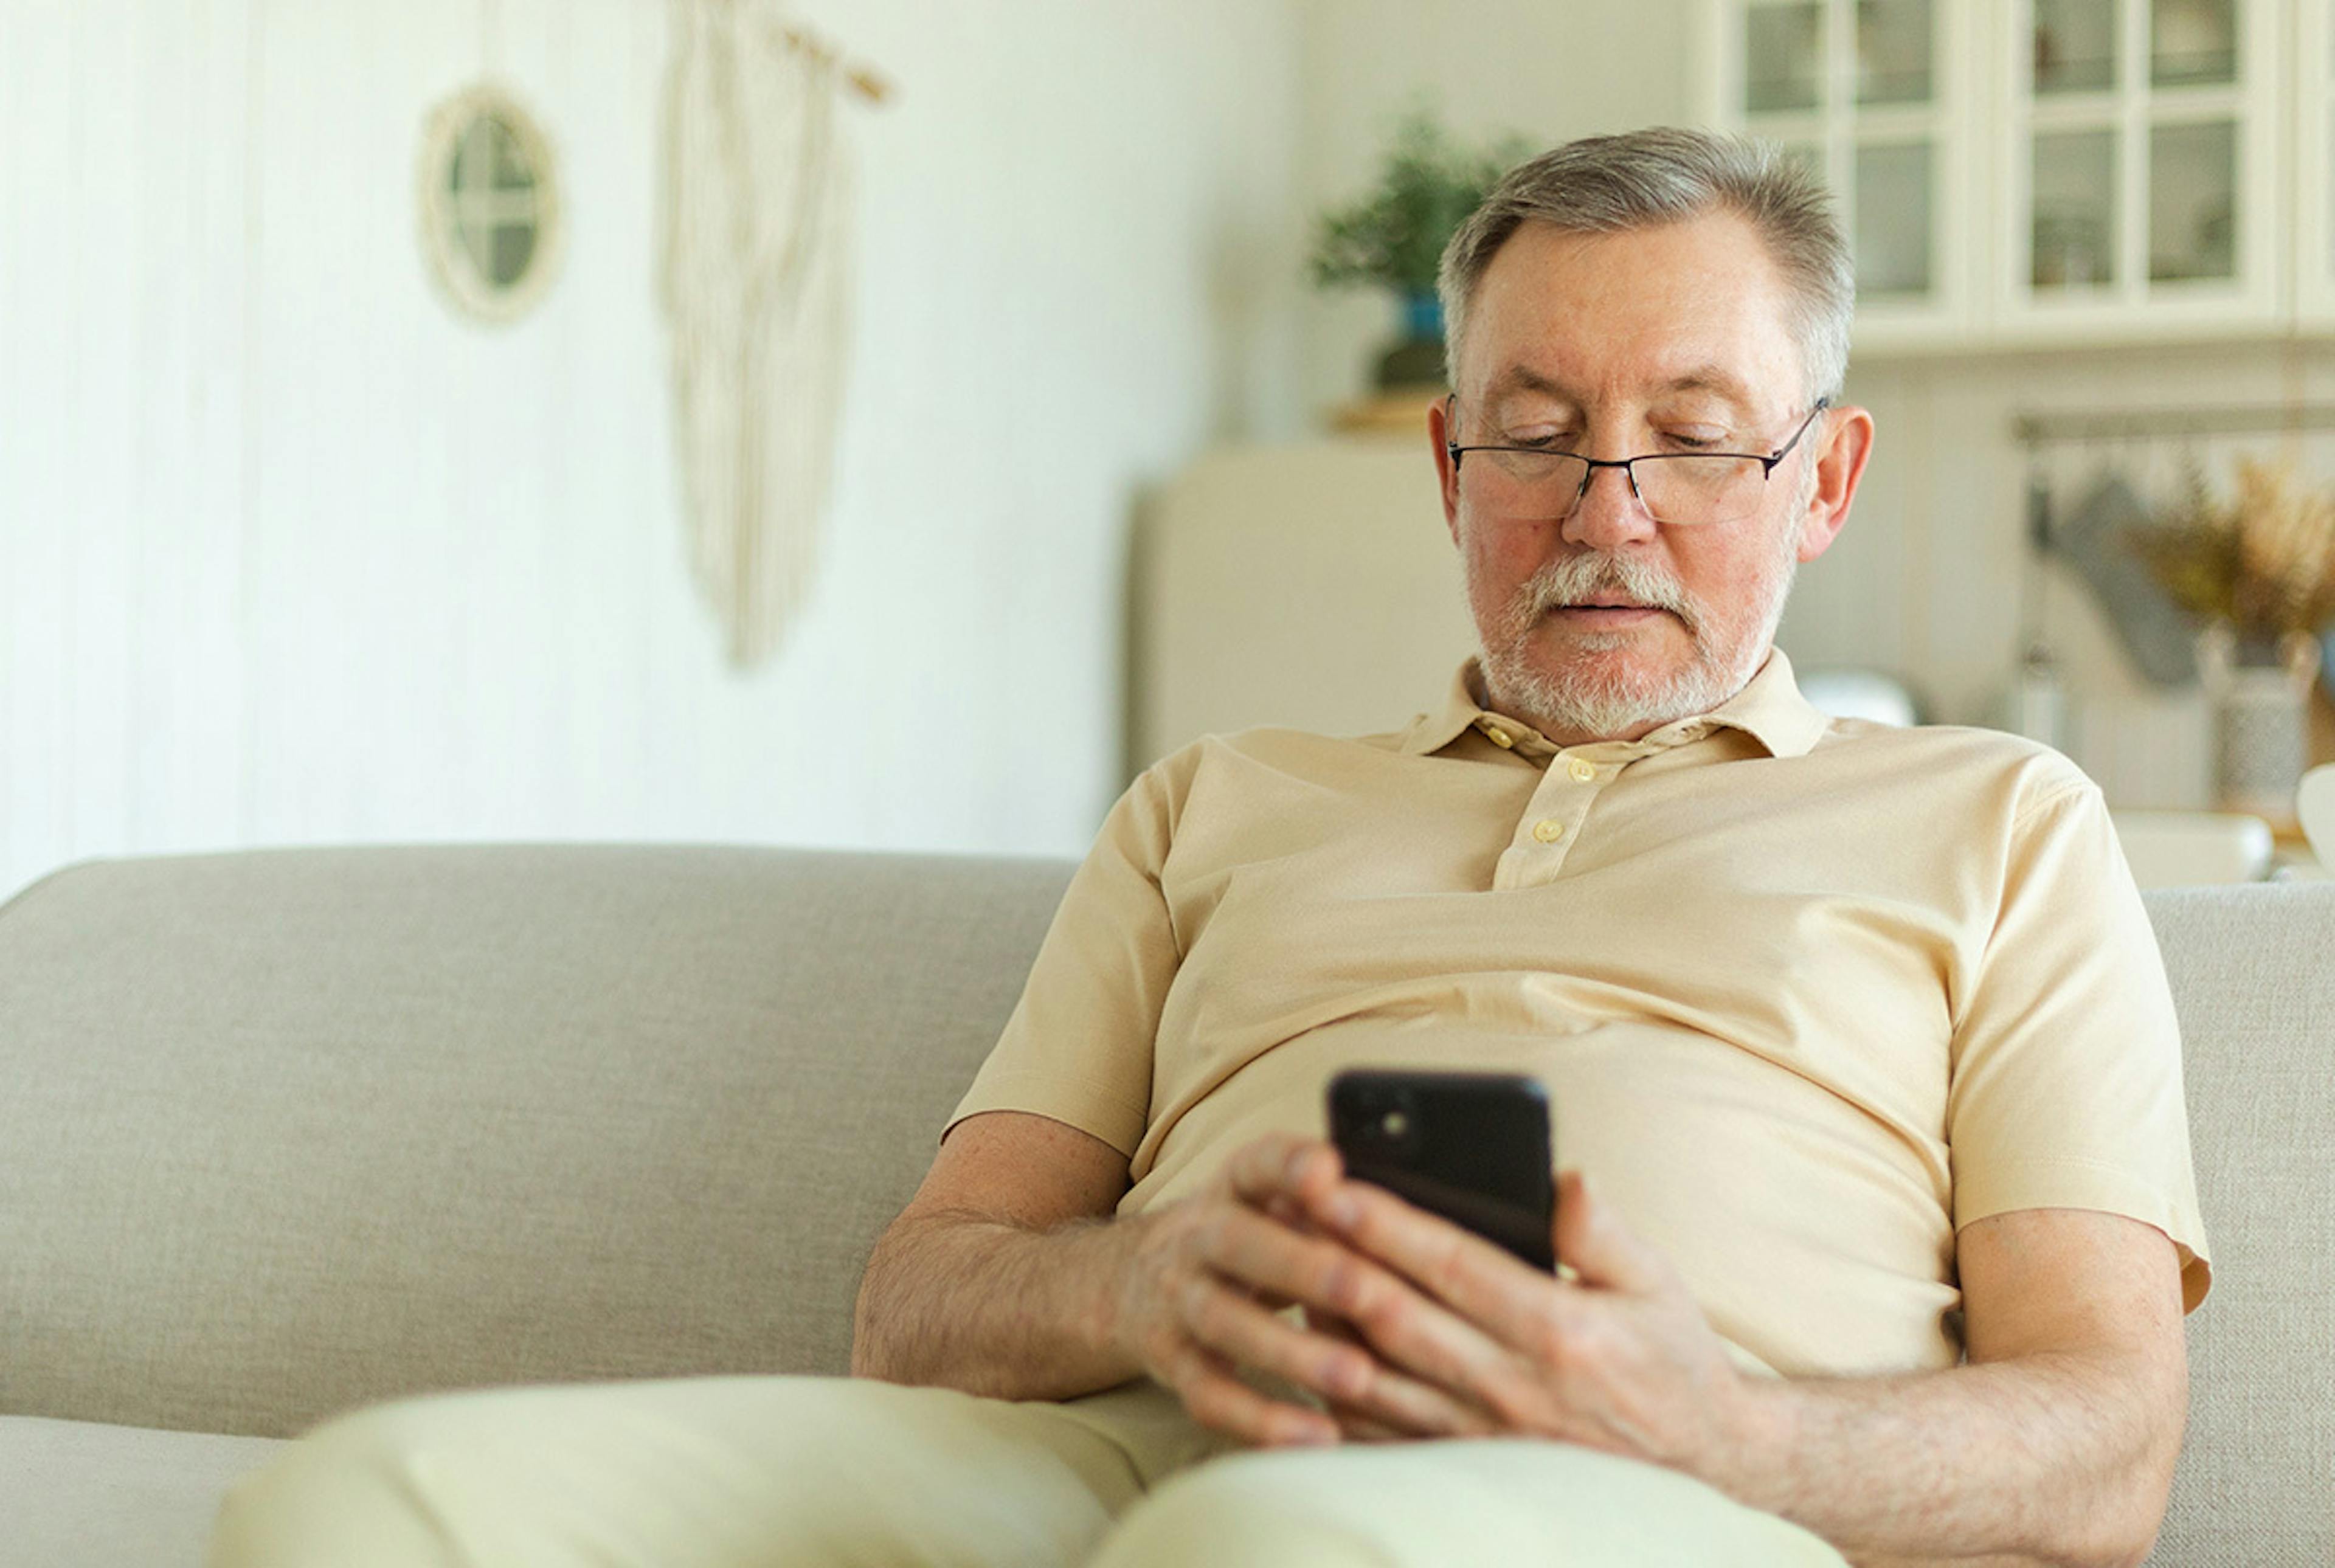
(1535, 484)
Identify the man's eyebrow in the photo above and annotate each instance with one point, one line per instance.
(1710, 378)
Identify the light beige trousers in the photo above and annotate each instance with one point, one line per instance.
(776, 1472)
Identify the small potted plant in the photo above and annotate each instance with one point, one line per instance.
(1394, 237)
(2259, 570)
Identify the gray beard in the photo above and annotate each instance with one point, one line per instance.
(1595, 698)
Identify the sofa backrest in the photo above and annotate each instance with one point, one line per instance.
(288, 1131)
(2253, 975)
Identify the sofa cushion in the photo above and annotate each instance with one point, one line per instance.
(291, 1131)
(295, 1130)
(83, 1495)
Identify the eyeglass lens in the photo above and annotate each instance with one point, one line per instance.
(1681, 489)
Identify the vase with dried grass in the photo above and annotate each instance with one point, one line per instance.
(2259, 570)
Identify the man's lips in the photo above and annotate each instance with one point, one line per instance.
(1608, 614)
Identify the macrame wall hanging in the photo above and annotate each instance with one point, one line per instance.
(756, 287)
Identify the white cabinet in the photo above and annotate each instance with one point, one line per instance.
(2314, 165)
(2139, 172)
(1877, 96)
(2021, 172)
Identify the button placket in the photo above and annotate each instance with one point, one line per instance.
(1551, 821)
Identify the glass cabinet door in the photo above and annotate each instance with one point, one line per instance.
(1897, 52)
(2143, 140)
(1783, 57)
(2193, 200)
(1859, 90)
(2074, 44)
(2072, 229)
(1894, 197)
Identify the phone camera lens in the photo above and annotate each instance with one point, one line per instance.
(1394, 1124)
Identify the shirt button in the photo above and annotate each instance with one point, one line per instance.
(1583, 772)
(1548, 830)
(1500, 737)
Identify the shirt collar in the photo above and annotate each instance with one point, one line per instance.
(1769, 709)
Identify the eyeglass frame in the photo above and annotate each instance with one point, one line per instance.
(1628, 466)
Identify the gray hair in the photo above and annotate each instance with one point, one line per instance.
(1643, 179)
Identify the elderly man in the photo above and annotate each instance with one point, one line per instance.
(1878, 1225)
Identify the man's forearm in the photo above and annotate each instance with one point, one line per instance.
(964, 1301)
(2051, 1458)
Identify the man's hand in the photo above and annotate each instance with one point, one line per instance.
(2054, 1443)
(1201, 1298)
(1618, 1358)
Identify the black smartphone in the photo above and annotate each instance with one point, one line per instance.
(1471, 1147)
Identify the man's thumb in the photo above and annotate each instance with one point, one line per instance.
(1593, 1242)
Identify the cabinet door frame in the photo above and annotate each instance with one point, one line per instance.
(2311, 159)
(2134, 308)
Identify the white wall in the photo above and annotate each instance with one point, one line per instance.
(290, 553)
(1546, 72)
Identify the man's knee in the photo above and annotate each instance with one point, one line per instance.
(698, 1471)
(680, 1469)
(1257, 1510)
(1417, 1505)
(350, 1491)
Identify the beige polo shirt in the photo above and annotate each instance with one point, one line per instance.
(1808, 993)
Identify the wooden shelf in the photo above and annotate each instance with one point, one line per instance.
(1395, 410)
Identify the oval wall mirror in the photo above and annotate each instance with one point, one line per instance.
(489, 204)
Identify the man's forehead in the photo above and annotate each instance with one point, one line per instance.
(1706, 379)
(1694, 307)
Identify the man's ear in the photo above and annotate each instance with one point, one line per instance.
(1840, 464)
(1439, 430)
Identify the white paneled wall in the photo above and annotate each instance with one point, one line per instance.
(290, 553)
(1540, 69)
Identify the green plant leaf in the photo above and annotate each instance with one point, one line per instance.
(1426, 187)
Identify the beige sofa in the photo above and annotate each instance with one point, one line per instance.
(284, 1132)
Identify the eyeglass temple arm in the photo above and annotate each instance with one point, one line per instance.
(1780, 453)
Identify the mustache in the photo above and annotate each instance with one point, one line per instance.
(1594, 576)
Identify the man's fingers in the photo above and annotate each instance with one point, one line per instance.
(1293, 1214)
(1592, 1239)
(1465, 1370)
(1357, 1424)
(1357, 1428)
(1280, 1163)
(1320, 1273)
(1221, 1402)
(1378, 1344)
(1236, 1330)
(1413, 1408)
(1486, 1286)
(1240, 1331)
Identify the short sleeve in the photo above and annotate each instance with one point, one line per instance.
(1079, 1045)
(2066, 1070)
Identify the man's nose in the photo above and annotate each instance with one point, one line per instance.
(1608, 515)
